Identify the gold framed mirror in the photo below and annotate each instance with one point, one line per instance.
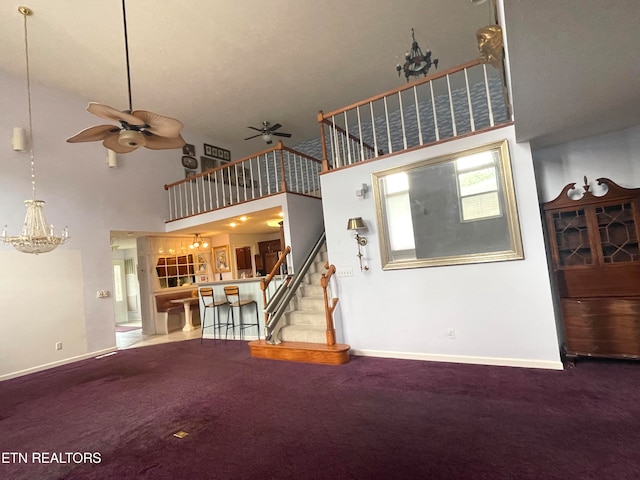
(450, 210)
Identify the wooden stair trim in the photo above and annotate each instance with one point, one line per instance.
(337, 354)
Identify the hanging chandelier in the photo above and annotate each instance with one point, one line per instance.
(416, 62)
(36, 236)
(198, 242)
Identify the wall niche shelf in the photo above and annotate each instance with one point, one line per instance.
(596, 263)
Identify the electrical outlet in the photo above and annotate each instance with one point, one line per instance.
(451, 333)
(58, 345)
(344, 272)
(103, 293)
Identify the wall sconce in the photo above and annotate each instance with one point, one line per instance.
(19, 139)
(358, 224)
(362, 191)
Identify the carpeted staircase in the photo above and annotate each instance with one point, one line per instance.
(305, 319)
(304, 334)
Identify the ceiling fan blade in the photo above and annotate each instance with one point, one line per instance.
(159, 124)
(110, 113)
(281, 134)
(275, 127)
(93, 134)
(249, 138)
(156, 142)
(111, 142)
(256, 129)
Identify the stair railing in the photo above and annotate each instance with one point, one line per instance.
(328, 309)
(275, 170)
(280, 291)
(280, 301)
(461, 101)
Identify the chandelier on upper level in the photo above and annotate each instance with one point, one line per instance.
(36, 236)
(416, 63)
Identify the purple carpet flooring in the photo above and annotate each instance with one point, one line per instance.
(114, 418)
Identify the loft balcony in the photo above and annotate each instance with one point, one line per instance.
(456, 103)
(277, 170)
(466, 100)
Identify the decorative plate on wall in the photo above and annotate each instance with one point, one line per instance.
(189, 162)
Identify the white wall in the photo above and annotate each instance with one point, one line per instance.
(502, 312)
(615, 156)
(52, 297)
(303, 226)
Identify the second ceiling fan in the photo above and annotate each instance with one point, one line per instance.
(268, 131)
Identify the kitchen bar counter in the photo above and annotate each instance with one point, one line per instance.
(249, 290)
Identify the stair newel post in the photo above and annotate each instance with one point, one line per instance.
(325, 160)
(328, 310)
(263, 287)
(283, 183)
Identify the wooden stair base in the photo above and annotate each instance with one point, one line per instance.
(337, 354)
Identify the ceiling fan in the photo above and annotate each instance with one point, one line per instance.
(267, 131)
(138, 128)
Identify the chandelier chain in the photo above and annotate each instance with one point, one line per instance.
(26, 54)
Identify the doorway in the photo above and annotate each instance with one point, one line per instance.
(127, 310)
(119, 287)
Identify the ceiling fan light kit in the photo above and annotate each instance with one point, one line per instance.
(131, 138)
(138, 128)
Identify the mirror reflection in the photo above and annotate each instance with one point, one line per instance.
(448, 210)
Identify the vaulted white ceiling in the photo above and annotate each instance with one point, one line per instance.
(223, 66)
(575, 67)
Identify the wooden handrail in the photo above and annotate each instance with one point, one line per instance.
(343, 131)
(264, 283)
(328, 310)
(300, 154)
(406, 86)
(279, 146)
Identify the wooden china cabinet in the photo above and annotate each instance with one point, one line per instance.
(596, 262)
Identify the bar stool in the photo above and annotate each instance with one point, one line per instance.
(232, 292)
(209, 302)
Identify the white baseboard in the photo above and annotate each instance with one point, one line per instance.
(59, 363)
(496, 361)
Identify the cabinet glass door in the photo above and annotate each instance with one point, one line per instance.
(572, 238)
(617, 231)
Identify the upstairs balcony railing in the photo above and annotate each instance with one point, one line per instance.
(454, 103)
(276, 170)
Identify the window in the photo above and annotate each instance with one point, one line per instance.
(478, 186)
(176, 271)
